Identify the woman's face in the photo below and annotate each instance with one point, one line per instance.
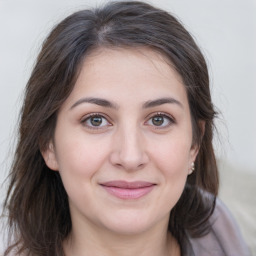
(123, 141)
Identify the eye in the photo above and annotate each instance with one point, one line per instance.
(160, 120)
(95, 121)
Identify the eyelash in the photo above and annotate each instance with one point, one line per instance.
(169, 118)
(89, 117)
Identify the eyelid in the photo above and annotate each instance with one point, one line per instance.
(94, 114)
(170, 118)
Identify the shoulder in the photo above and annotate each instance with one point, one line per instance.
(224, 238)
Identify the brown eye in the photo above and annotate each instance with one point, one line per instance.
(158, 120)
(95, 120)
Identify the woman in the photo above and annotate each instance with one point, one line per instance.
(115, 151)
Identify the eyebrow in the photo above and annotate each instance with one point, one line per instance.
(108, 104)
(161, 101)
(97, 101)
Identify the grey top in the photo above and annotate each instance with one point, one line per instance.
(224, 238)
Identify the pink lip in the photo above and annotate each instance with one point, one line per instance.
(128, 190)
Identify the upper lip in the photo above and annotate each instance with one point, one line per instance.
(127, 185)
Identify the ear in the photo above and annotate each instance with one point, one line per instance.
(195, 147)
(50, 158)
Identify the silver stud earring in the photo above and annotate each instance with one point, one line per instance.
(192, 168)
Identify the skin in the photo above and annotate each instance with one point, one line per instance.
(130, 140)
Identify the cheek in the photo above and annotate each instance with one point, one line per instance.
(172, 161)
(79, 157)
(79, 163)
(172, 156)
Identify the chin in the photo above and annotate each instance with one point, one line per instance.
(131, 223)
(127, 229)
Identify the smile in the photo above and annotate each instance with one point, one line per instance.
(128, 190)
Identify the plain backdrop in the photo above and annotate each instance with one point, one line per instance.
(224, 29)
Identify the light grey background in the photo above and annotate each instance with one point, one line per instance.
(224, 29)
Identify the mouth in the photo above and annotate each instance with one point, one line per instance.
(128, 190)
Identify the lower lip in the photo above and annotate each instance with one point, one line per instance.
(128, 193)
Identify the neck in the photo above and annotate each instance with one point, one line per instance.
(90, 241)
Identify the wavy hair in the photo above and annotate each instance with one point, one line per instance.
(36, 202)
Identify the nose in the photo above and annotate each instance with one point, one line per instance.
(129, 149)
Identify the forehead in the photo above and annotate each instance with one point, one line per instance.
(138, 73)
(144, 57)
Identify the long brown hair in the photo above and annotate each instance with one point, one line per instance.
(36, 202)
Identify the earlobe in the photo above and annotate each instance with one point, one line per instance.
(192, 168)
(49, 156)
(193, 154)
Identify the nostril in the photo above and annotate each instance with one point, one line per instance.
(128, 162)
